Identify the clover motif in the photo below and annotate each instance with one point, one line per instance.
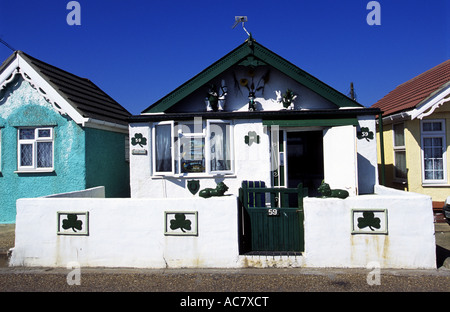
(180, 222)
(72, 222)
(368, 219)
(139, 140)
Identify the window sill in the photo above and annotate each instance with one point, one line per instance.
(35, 171)
(443, 184)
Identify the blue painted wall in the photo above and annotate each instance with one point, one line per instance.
(81, 156)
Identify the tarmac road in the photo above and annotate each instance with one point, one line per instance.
(218, 282)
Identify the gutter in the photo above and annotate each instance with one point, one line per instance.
(104, 125)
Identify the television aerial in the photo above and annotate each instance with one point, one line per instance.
(240, 19)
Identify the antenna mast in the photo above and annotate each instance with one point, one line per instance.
(352, 92)
(6, 44)
(240, 19)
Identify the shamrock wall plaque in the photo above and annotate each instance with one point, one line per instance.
(251, 138)
(138, 139)
(180, 223)
(73, 223)
(369, 221)
(365, 133)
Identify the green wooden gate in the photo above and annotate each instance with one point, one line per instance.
(271, 219)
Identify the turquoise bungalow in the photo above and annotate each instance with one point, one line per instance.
(58, 133)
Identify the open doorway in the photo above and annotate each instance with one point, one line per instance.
(304, 159)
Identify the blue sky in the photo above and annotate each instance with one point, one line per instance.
(138, 51)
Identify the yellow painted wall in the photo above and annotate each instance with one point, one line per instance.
(414, 157)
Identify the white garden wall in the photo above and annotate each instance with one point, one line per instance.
(133, 233)
(409, 240)
(126, 233)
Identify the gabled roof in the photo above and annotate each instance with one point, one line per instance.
(88, 103)
(416, 91)
(251, 50)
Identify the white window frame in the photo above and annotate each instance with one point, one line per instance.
(34, 142)
(177, 134)
(199, 134)
(399, 148)
(434, 134)
(208, 146)
(172, 152)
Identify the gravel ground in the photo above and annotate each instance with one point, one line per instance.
(185, 281)
(218, 280)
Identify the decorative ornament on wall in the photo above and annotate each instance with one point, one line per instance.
(73, 223)
(365, 133)
(327, 192)
(215, 100)
(193, 186)
(287, 99)
(369, 221)
(251, 138)
(248, 82)
(181, 223)
(220, 190)
(138, 139)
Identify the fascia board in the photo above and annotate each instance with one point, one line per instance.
(199, 80)
(49, 93)
(303, 77)
(8, 71)
(428, 106)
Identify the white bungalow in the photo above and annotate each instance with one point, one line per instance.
(253, 116)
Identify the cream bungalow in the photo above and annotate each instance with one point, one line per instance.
(252, 116)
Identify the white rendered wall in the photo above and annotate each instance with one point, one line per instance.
(367, 157)
(126, 233)
(130, 233)
(409, 243)
(339, 154)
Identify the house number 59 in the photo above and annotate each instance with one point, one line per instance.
(272, 212)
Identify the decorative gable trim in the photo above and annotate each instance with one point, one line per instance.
(250, 51)
(19, 66)
(430, 104)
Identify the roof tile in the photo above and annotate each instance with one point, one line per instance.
(411, 93)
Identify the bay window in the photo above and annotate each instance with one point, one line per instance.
(191, 148)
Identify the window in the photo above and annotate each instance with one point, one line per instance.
(433, 151)
(35, 149)
(400, 170)
(163, 153)
(220, 145)
(189, 148)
